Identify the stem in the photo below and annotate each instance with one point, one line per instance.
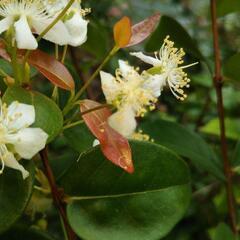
(70, 105)
(81, 76)
(57, 196)
(217, 81)
(64, 54)
(73, 124)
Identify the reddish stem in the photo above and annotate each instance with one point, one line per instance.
(218, 83)
(57, 196)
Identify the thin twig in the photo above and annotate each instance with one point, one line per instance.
(79, 71)
(217, 81)
(57, 196)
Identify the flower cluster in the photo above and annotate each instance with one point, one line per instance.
(24, 18)
(17, 139)
(133, 93)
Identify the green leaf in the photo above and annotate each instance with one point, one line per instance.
(231, 67)
(224, 7)
(48, 115)
(14, 195)
(232, 128)
(223, 232)
(25, 234)
(116, 205)
(185, 143)
(169, 26)
(79, 138)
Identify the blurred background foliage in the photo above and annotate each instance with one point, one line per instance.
(197, 114)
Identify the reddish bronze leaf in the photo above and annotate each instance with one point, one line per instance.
(113, 145)
(142, 30)
(52, 69)
(122, 32)
(3, 52)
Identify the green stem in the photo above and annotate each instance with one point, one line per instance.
(73, 124)
(70, 105)
(64, 53)
(50, 26)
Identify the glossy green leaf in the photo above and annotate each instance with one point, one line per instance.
(225, 7)
(48, 115)
(169, 26)
(231, 67)
(184, 142)
(14, 195)
(232, 128)
(115, 205)
(25, 234)
(79, 138)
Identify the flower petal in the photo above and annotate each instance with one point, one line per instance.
(10, 161)
(123, 121)
(109, 86)
(29, 141)
(125, 68)
(77, 28)
(147, 59)
(19, 116)
(155, 84)
(57, 34)
(5, 24)
(24, 36)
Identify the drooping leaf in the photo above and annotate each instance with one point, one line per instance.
(52, 69)
(14, 195)
(142, 30)
(183, 142)
(232, 128)
(225, 7)
(169, 26)
(115, 205)
(122, 32)
(114, 146)
(48, 115)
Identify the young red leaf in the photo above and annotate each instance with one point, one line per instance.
(143, 30)
(113, 145)
(122, 32)
(52, 69)
(3, 52)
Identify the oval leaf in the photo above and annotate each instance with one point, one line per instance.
(122, 32)
(48, 115)
(185, 143)
(114, 146)
(115, 205)
(52, 69)
(142, 30)
(14, 195)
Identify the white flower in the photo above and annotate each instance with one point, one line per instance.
(27, 16)
(17, 139)
(131, 94)
(76, 25)
(166, 69)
